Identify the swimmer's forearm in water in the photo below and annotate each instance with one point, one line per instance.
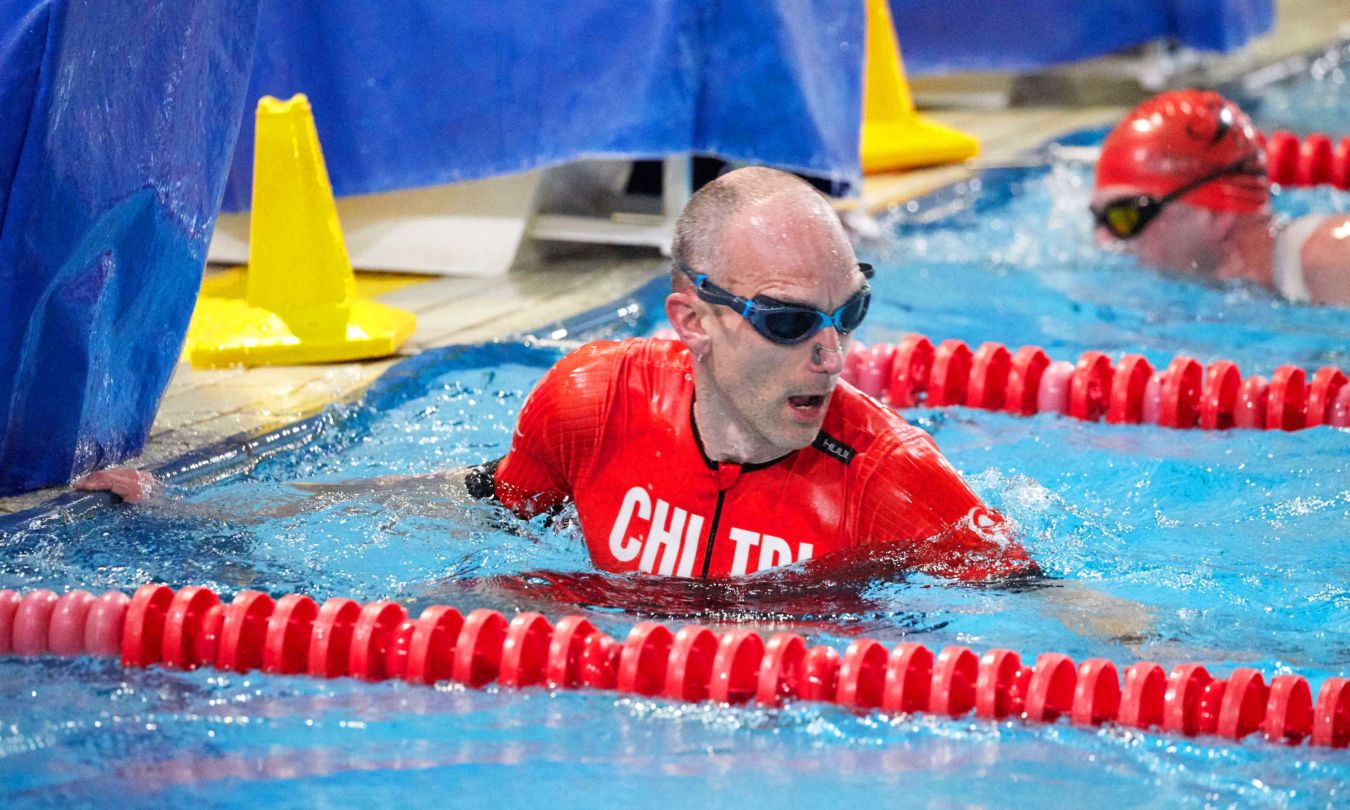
(1090, 612)
(433, 493)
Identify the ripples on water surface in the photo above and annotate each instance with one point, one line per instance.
(1238, 542)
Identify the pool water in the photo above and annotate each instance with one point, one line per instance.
(1313, 100)
(1236, 544)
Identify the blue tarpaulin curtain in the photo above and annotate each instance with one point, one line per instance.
(955, 35)
(117, 122)
(425, 92)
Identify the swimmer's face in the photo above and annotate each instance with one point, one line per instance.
(778, 394)
(1181, 238)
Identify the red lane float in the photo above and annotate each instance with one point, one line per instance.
(1312, 161)
(31, 622)
(910, 365)
(782, 670)
(1090, 387)
(820, 674)
(332, 638)
(183, 625)
(955, 675)
(950, 373)
(988, 383)
(1181, 384)
(1326, 386)
(994, 685)
(9, 605)
(564, 651)
(909, 678)
(1096, 696)
(377, 642)
(286, 649)
(1024, 380)
(1286, 399)
(525, 650)
(1183, 395)
(1050, 693)
(1054, 394)
(691, 663)
(1127, 387)
(862, 675)
(431, 648)
(1218, 400)
(243, 632)
(735, 675)
(372, 638)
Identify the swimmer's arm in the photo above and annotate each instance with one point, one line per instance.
(141, 486)
(127, 483)
(448, 488)
(1089, 612)
(1073, 603)
(1328, 284)
(437, 494)
(952, 533)
(446, 483)
(1326, 262)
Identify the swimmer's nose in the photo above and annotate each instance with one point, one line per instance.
(827, 352)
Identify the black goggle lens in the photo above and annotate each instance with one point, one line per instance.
(1124, 219)
(854, 311)
(788, 324)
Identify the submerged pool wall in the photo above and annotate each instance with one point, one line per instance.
(117, 121)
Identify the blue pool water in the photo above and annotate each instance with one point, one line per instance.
(1237, 544)
(1312, 101)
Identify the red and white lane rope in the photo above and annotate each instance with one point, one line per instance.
(1026, 381)
(1311, 161)
(295, 635)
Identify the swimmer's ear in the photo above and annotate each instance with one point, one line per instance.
(685, 315)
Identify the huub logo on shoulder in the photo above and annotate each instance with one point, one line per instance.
(831, 446)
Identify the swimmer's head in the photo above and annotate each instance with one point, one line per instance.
(1174, 178)
(768, 237)
(1181, 136)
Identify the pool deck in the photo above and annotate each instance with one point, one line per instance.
(202, 407)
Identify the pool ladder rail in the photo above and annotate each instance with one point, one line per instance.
(377, 641)
(1183, 395)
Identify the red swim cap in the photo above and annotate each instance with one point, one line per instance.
(1178, 136)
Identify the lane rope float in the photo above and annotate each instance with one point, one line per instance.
(377, 641)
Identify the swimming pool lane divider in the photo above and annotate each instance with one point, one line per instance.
(1312, 161)
(1185, 394)
(295, 635)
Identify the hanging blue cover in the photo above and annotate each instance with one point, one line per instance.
(423, 92)
(117, 121)
(956, 35)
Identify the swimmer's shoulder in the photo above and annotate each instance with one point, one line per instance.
(638, 352)
(871, 428)
(650, 361)
(1325, 256)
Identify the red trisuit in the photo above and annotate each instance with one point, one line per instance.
(611, 427)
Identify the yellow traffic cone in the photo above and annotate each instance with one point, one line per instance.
(301, 306)
(894, 135)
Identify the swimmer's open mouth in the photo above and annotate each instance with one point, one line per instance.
(807, 401)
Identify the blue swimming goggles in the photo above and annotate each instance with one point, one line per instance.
(780, 322)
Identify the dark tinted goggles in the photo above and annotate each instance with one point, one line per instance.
(781, 322)
(1126, 217)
